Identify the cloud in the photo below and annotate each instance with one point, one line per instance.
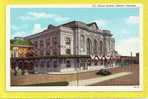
(16, 27)
(101, 22)
(125, 31)
(61, 18)
(128, 45)
(37, 28)
(39, 15)
(133, 20)
(25, 18)
(19, 34)
(44, 15)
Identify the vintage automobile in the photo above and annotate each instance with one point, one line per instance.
(103, 72)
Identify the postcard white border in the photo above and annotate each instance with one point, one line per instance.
(74, 88)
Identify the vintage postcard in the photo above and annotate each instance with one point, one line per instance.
(74, 47)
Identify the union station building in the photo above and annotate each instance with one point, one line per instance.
(67, 47)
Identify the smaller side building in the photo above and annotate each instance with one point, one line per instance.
(21, 48)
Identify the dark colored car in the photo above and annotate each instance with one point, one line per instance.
(103, 72)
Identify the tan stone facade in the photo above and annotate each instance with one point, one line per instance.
(73, 38)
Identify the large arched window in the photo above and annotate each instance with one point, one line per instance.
(89, 46)
(101, 48)
(95, 47)
(82, 42)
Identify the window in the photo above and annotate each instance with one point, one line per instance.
(101, 48)
(48, 42)
(67, 41)
(42, 63)
(48, 52)
(68, 51)
(54, 40)
(48, 64)
(95, 47)
(68, 64)
(54, 52)
(41, 43)
(55, 64)
(41, 53)
(36, 63)
(89, 46)
(82, 40)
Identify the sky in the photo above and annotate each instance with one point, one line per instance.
(122, 22)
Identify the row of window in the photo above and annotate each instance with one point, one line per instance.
(54, 41)
(48, 52)
(47, 42)
(55, 64)
(94, 47)
(68, 42)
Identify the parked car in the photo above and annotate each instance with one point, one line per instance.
(103, 72)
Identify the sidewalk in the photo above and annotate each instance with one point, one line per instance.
(98, 79)
(90, 68)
